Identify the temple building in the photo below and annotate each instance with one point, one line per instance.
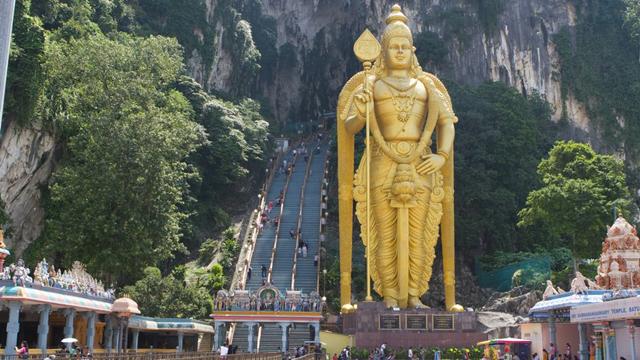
(53, 305)
(601, 317)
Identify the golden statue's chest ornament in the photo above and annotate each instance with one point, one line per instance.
(402, 100)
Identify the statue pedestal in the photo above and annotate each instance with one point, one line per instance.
(373, 324)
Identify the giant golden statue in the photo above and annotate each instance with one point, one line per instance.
(410, 188)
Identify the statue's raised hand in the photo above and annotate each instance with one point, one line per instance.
(362, 100)
(431, 163)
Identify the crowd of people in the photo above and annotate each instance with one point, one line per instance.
(64, 351)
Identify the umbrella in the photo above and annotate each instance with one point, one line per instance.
(69, 340)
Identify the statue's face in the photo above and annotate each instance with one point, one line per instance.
(399, 53)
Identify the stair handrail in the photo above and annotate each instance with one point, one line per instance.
(254, 218)
(322, 215)
(277, 235)
(259, 338)
(294, 267)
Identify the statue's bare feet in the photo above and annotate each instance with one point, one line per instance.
(390, 303)
(414, 302)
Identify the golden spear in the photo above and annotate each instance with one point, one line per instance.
(367, 49)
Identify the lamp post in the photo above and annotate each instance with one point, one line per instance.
(324, 283)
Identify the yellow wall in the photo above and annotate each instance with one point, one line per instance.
(334, 342)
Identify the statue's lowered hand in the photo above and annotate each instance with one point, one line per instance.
(431, 163)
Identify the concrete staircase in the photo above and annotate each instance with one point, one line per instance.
(298, 336)
(271, 340)
(264, 242)
(240, 337)
(283, 259)
(306, 272)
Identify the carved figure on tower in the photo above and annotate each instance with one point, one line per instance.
(620, 259)
(403, 186)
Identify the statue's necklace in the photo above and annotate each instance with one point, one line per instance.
(403, 100)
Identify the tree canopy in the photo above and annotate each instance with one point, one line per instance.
(500, 138)
(579, 189)
(170, 296)
(115, 200)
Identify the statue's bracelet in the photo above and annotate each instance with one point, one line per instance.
(444, 154)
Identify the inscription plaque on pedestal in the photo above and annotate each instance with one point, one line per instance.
(389, 322)
(442, 322)
(416, 322)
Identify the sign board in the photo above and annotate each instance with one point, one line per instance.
(607, 311)
(416, 322)
(442, 322)
(389, 322)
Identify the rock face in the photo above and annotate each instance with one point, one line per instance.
(313, 43)
(26, 163)
(499, 324)
(517, 301)
(518, 50)
(468, 292)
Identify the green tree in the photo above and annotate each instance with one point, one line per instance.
(231, 163)
(632, 18)
(579, 188)
(115, 200)
(25, 76)
(500, 138)
(212, 279)
(169, 297)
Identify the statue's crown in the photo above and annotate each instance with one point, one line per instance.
(396, 25)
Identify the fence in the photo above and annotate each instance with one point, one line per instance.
(520, 273)
(153, 356)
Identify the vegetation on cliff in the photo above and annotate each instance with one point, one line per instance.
(148, 160)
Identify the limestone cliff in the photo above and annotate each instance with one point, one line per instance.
(306, 56)
(517, 49)
(26, 162)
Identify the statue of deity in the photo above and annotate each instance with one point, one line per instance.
(410, 186)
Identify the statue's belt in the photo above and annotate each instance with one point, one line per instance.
(423, 182)
(400, 147)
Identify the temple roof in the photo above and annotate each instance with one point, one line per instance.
(567, 300)
(169, 324)
(56, 299)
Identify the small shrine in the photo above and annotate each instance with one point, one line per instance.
(600, 316)
(267, 308)
(620, 259)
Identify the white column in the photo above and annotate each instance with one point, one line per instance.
(43, 327)
(108, 333)
(584, 344)
(316, 331)
(216, 336)
(13, 326)
(180, 341)
(91, 329)
(285, 336)
(70, 315)
(250, 325)
(134, 340)
(632, 332)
